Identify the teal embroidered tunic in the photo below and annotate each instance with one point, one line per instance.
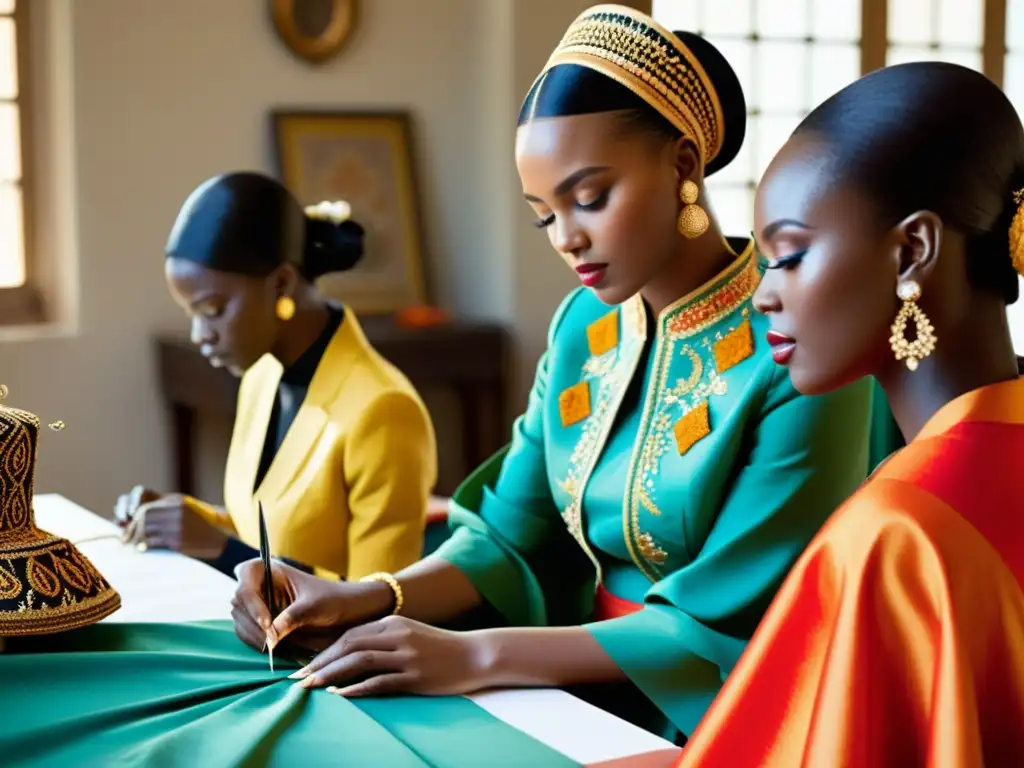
(671, 461)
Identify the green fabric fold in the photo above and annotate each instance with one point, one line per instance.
(164, 696)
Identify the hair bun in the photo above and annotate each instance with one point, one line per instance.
(1017, 232)
(334, 241)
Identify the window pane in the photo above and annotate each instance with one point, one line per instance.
(772, 133)
(8, 60)
(910, 21)
(739, 54)
(676, 15)
(1015, 24)
(781, 18)
(1013, 82)
(741, 169)
(724, 18)
(6, 6)
(734, 207)
(832, 67)
(960, 22)
(900, 55)
(10, 143)
(837, 20)
(12, 243)
(782, 76)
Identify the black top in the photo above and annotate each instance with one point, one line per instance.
(291, 392)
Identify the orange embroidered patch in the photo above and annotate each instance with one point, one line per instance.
(603, 334)
(692, 427)
(735, 347)
(574, 404)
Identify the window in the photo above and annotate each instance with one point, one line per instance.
(789, 56)
(936, 30)
(12, 216)
(19, 300)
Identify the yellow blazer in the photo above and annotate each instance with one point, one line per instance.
(347, 491)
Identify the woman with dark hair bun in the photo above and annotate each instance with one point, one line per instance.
(330, 438)
(666, 474)
(894, 231)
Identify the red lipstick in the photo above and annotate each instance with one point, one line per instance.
(591, 274)
(782, 346)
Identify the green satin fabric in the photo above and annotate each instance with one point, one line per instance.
(163, 696)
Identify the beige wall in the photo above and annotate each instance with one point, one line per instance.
(167, 94)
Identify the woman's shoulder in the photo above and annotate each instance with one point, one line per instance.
(894, 527)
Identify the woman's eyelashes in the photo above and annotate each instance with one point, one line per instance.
(785, 262)
(596, 204)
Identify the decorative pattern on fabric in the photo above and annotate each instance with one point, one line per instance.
(46, 584)
(635, 51)
(677, 414)
(610, 373)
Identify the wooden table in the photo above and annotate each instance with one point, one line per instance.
(161, 586)
(469, 358)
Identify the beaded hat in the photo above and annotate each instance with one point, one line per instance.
(46, 584)
(681, 75)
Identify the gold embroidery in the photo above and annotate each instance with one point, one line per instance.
(42, 579)
(603, 334)
(574, 404)
(735, 347)
(634, 50)
(650, 550)
(691, 428)
(46, 584)
(691, 315)
(10, 587)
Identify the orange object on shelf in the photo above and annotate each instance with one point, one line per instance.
(422, 317)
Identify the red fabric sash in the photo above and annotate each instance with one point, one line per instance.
(609, 606)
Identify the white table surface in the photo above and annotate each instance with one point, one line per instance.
(168, 587)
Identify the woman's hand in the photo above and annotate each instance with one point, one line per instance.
(311, 607)
(152, 520)
(399, 655)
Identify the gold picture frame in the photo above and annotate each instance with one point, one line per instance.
(366, 159)
(314, 30)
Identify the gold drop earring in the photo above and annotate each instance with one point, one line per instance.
(285, 308)
(693, 220)
(917, 350)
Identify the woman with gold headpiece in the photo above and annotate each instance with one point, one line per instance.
(665, 475)
(898, 638)
(329, 437)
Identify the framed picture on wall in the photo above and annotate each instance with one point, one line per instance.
(366, 159)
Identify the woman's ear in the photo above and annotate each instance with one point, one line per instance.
(918, 242)
(285, 280)
(687, 161)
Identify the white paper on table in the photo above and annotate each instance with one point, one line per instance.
(155, 586)
(581, 731)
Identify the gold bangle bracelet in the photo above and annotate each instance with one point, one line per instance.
(392, 582)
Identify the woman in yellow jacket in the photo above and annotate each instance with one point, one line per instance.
(331, 438)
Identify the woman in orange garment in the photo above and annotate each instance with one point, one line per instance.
(898, 638)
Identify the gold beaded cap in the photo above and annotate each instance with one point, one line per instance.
(634, 50)
(46, 584)
(1017, 233)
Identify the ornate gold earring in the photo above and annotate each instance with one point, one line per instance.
(693, 220)
(924, 344)
(285, 308)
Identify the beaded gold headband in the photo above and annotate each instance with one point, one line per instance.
(637, 52)
(1017, 233)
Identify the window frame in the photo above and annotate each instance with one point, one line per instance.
(23, 304)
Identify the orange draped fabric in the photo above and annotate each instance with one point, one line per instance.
(898, 637)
